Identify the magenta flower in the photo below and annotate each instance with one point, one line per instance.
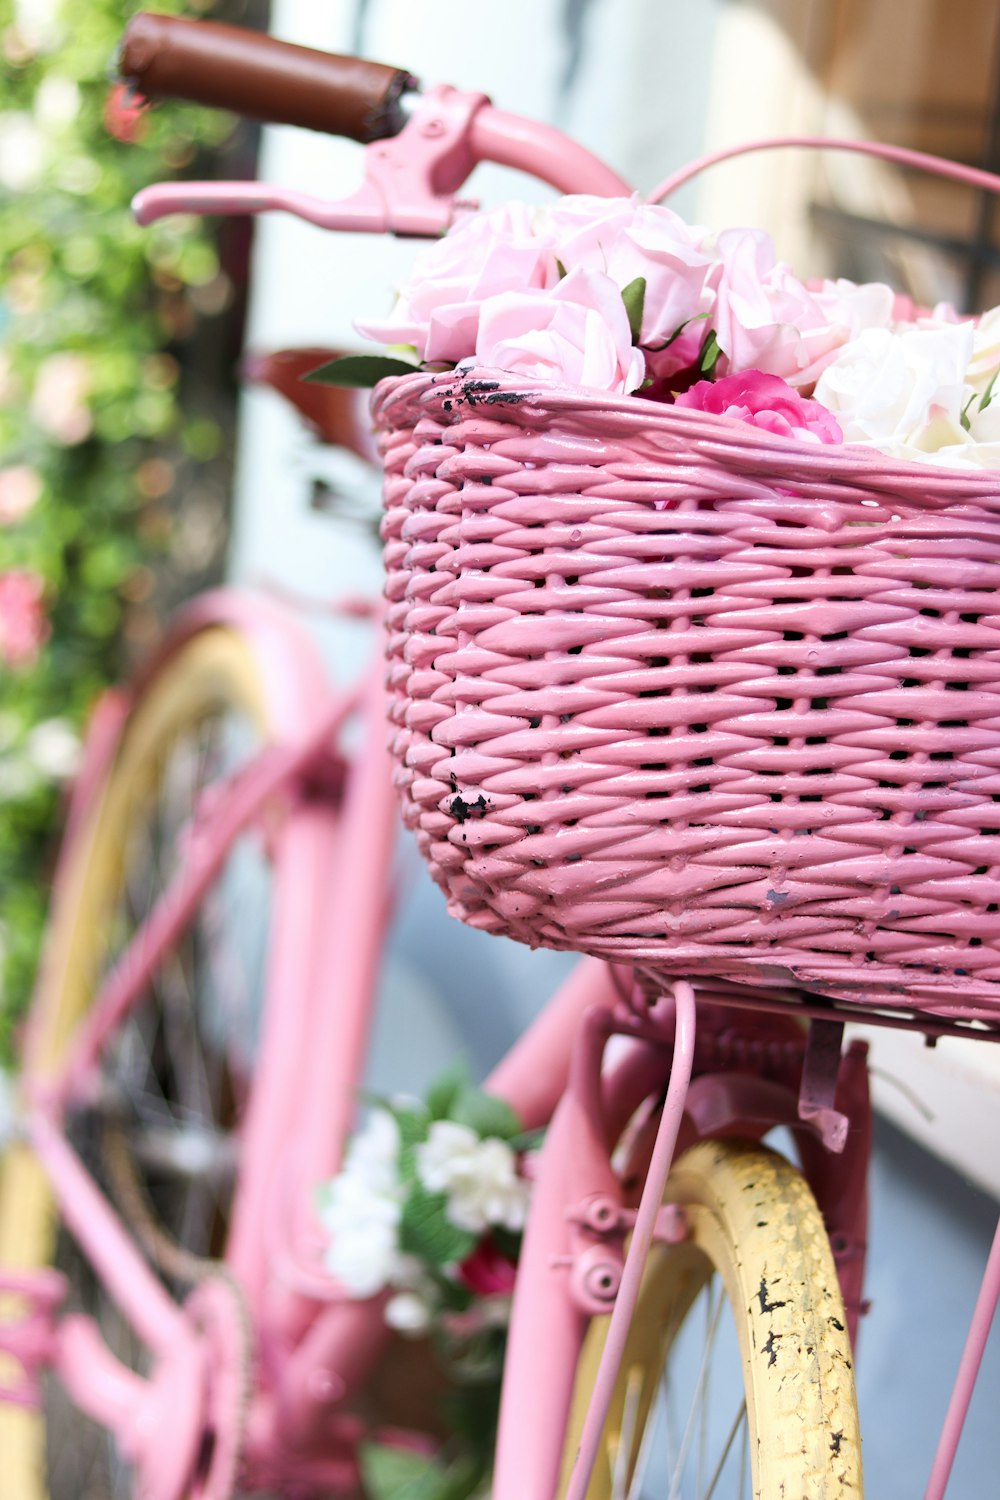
(487, 1271)
(23, 626)
(767, 402)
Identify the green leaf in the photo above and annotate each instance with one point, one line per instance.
(964, 414)
(659, 348)
(485, 1114)
(360, 371)
(399, 1474)
(708, 354)
(427, 1232)
(634, 298)
(413, 1125)
(561, 269)
(987, 394)
(445, 1090)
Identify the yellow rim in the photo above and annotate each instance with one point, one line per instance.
(216, 670)
(754, 1221)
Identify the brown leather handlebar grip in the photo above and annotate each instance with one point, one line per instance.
(227, 67)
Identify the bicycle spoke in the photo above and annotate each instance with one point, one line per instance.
(619, 1476)
(694, 1410)
(734, 1429)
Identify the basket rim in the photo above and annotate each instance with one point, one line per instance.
(461, 394)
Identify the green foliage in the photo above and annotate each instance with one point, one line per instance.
(426, 1232)
(400, 1474)
(634, 298)
(90, 305)
(360, 371)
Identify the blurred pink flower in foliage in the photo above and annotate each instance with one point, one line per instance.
(487, 1271)
(123, 114)
(59, 402)
(767, 402)
(24, 628)
(20, 488)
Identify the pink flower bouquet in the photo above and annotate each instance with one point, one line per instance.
(24, 628)
(624, 297)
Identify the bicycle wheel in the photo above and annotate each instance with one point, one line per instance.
(764, 1407)
(161, 1138)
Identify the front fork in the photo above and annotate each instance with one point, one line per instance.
(574, 1263)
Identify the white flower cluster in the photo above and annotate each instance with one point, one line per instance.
(49, 752)
(362, 1208)
(921, 390)
(479, 1177)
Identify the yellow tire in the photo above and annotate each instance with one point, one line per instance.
(779, 1421)
(211, 688)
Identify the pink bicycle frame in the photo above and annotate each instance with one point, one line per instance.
(315, 1344)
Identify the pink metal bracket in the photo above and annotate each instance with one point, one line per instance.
(820, 1071)
(409, 187)
(28, 1333)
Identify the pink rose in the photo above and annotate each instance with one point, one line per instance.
(439, 307)
(23, 626)
(487, 1271)
(626, 240)
(767, 402)
(575, 334)
(765, 318)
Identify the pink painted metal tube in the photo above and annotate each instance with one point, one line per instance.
(546, 1331)
(937, 165)
(532, 1076)
(961, 1396)
(303, 875)
(342, 1017)
(642, 1239)
(142, 1299)
(543, 153)
(182, 897)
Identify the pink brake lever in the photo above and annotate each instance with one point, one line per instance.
(409, 187)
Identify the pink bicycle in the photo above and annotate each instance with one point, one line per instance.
(190, 1077)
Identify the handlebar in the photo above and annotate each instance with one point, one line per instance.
(416, 159)
(206, 62)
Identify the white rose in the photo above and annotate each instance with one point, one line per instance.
(985, 359)
(902, 390)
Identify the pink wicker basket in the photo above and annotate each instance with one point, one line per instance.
(670, 690)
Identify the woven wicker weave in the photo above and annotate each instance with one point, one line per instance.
(668, 689)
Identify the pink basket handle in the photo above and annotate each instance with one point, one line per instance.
(973, 176)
